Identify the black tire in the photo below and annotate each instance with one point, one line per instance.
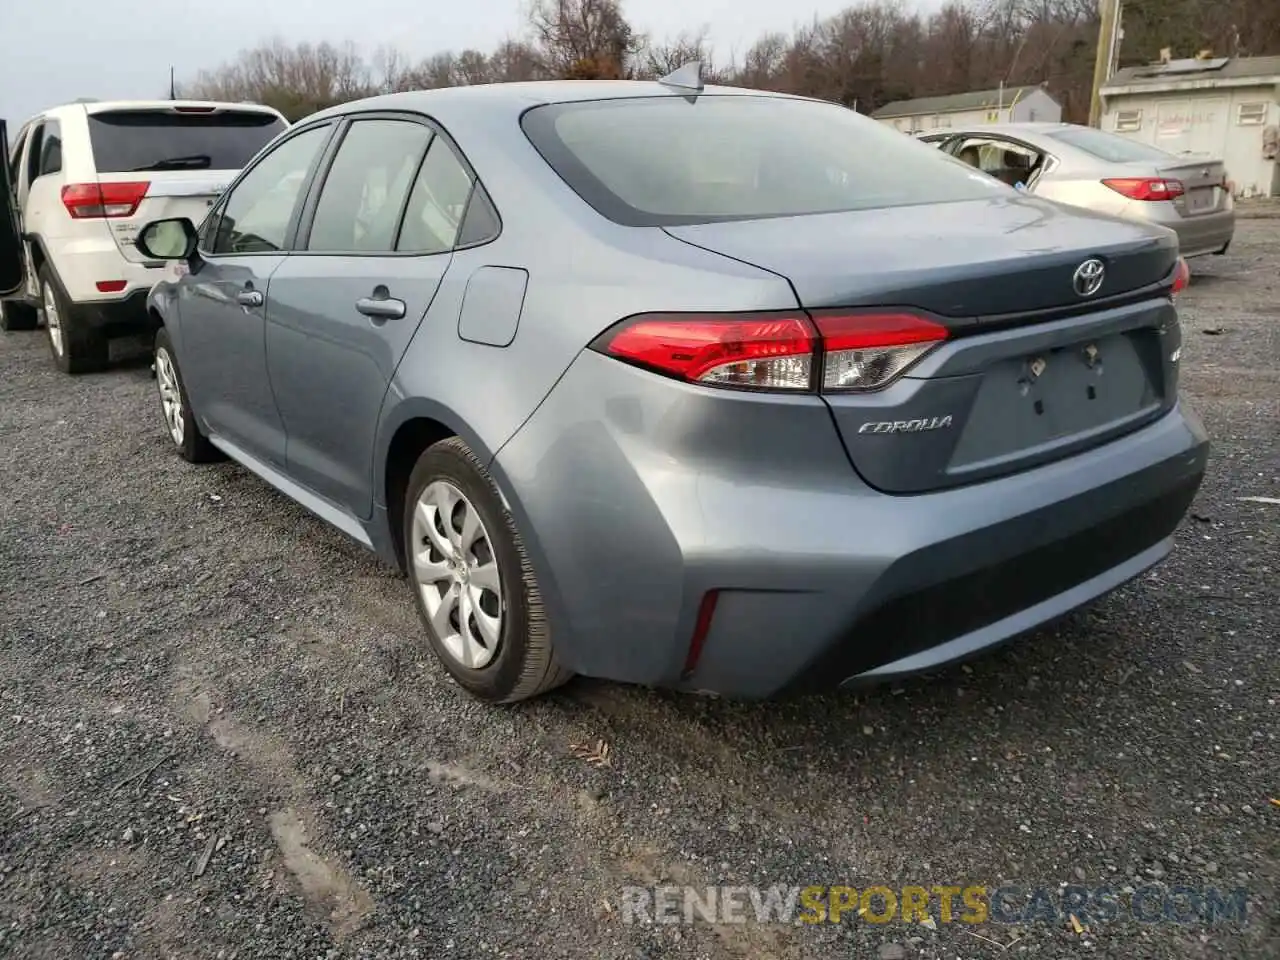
(16, 315)
(525, 663)
(83, 349)
(194, 446)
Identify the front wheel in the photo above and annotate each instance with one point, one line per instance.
(175, 406)
(472, 580)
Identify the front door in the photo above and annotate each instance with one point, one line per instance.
(224, 299)
(345, 306)
(12, 256)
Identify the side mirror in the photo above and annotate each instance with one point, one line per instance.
(173, 239)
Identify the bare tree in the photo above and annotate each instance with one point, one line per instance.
(584, 39)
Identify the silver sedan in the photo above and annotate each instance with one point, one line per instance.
(1105, 172)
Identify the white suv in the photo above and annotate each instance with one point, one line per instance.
(85, 177)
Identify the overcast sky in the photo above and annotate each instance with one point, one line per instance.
(58, 50)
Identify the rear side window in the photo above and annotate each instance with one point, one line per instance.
(51, 149)
(126, 141)
(436, 204)
(663, 160)
(1109, 146)
(364, 193)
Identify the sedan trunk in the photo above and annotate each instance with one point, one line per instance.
(1032, 370)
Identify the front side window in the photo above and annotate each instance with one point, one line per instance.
(655, 161)
(256, 215)
(365, 190)
(15, 158)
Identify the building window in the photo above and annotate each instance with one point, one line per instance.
(1251, 114)
(1128, 121)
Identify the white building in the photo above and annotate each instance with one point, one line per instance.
(1003, 105)
(1226, 108)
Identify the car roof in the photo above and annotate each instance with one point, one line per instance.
(508, 98)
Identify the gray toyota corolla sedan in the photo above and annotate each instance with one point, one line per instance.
(697, 387)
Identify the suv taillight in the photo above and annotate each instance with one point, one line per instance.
(86, 201)
(792, 351)
(1145, 188)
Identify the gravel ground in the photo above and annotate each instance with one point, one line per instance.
(198, 674)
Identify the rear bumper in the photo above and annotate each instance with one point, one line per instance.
(129, 313)
(636, 498)
(1205, 234)
(82, 262)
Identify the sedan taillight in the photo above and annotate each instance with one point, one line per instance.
(1145, 188)
(792, 351)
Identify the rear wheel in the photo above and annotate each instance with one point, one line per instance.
(76, 346)
(15, 315)
(175, 407)
(472, 580)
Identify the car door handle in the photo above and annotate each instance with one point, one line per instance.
(249, 298)
(381, 308)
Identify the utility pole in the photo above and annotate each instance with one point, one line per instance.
(1104, 63)
(173, 91)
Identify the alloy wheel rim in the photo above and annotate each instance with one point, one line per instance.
(457, 575)
(52, 321)
(170, 396)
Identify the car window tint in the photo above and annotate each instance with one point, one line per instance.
(255, 218)
(15, 158)
(364, 192)
(437, 203)
(131, 140)
(481, 220)
(650, 161)
(1109, 146)
(51, 149)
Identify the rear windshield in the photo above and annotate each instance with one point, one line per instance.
(129, 140)
(663, 160)
(1109, 146)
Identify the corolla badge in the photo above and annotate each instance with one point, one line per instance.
(906, 426)
(1089, 276)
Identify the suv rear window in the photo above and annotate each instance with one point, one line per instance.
(1109, 146)
(130, 140)
(664, 160)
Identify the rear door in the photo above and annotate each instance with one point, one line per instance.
(373, 247)
(12, 255)
(172, 160)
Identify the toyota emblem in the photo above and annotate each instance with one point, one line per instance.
(1089, 276)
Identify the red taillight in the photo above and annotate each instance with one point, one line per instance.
(1146, 188)
(195, 109)
(1181, 277)
(110, 286)
(776, 351)
(90, 200)
(757, 351)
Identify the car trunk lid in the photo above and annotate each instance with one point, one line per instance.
(1204, 185)
(1035, 367)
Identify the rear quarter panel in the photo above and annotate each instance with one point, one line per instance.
(585, 274)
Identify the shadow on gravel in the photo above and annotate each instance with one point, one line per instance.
(1038, 678)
